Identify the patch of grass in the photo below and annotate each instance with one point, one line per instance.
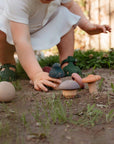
(21, 74)
(94, 59)
(23, 119)
(17, 85)
(49, 61)
(108, 99)
(55, 111)
(112, 86)
(4, 107)
(86, 59)
(101, 84)
(110, 116)
(4, 129)
(91, 116)
(52, 111)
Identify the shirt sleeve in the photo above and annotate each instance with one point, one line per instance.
(17, 10)
(65, 1)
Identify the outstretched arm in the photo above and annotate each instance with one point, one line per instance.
(84, 23)
(21, 38)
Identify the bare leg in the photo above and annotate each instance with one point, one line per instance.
(6, 50)
(66, 46)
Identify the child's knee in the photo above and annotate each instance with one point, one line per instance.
(2, 36)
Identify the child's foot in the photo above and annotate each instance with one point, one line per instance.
(8, 72)
(69, 67)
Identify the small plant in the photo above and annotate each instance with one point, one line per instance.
(91, 116)
(52, 111)
(58, 111)
(101, 84)
(23, 119)
(17, 85)
(52, 108)
(49, 61)
(110, 116)
(108, 99)
(4, 129)
(112, 86)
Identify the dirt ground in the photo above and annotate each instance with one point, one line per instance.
(22, 123)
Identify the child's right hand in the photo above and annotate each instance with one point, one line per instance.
(42, 79)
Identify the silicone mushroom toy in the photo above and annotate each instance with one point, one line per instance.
(69, 88)
(78, 79)
(56, 71)
(91, 80)
(46, 69)
(7, 91)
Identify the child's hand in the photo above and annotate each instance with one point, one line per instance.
(42, 79)
(93, 29)
(46, 1)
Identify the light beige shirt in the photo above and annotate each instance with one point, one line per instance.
(32, 12)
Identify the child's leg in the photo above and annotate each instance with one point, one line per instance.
(66, 49)
(66, 46)
(6, 50)
(7, 70)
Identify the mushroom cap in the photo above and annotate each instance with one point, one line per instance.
(78, 79)
(7, 91)
(56, 71)
(46, 69)
(56, 65)
(69, 85)
(91, 78)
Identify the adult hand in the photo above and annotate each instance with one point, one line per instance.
(42, 80)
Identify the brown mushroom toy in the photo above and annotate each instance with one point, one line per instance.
(91, 80)
(69, 88)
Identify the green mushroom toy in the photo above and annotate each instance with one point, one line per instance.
(56, 71)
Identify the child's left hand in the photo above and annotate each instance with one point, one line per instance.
(93, 29)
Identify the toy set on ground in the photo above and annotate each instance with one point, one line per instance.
(69, 87)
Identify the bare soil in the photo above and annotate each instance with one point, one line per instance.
(19, 126)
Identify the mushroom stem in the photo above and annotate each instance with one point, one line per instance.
(91, 80)
(92, 88)
(69, 93)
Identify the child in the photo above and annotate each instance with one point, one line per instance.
(28, 25)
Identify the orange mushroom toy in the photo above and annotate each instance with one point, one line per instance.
(91, 80)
